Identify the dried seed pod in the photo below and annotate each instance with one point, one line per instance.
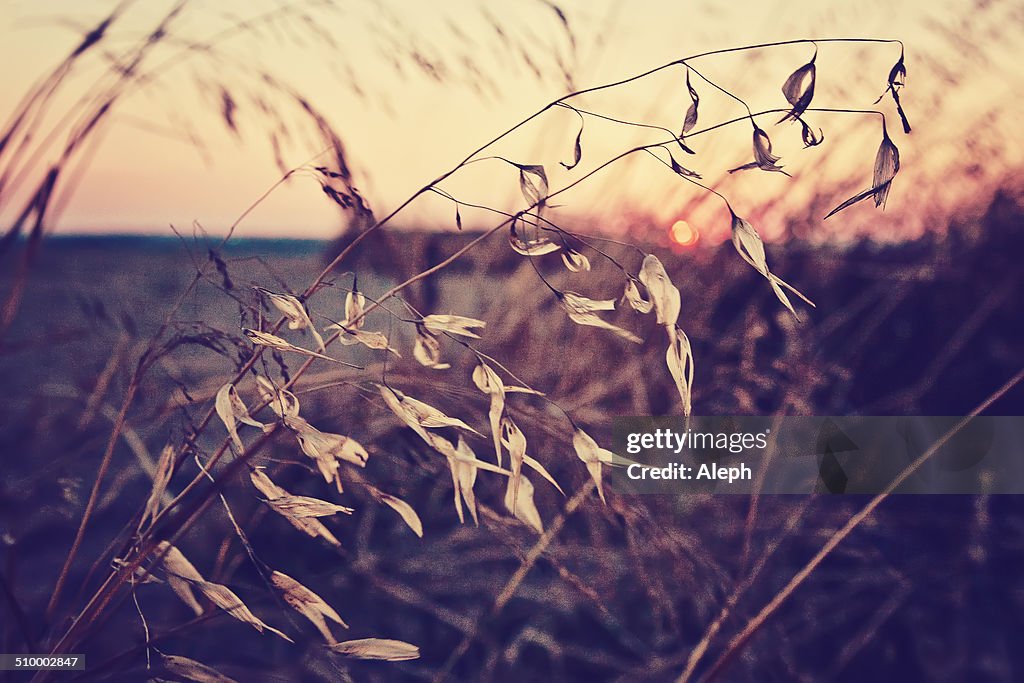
(514, 439)
(327, 450)
(355, 304)
(413, 411)
(519, 501)
(691, 113)
(224, 598)
(577, 150)
(887, 165)
(536, 246)
(633, 297)
(181, 575)
(799, 89)
(533, 182)
(592, 455)
(751, 249)
(810, 138)
(664, 295)
(292, 309)
(681, 170)
(464, 476)
(488, 381)
(303, 507)
(679, 358)
(164, 470)
(307, 525)
(377, 648)
(427, 350)
(540, 469)
(190, 669)
(308, 604)
(231, 409)
(283, 402)
(453, 324)
(897, 79)
(275, 342)
(575, 261)
(763, 157)
(405, 511)
(371, 340)
(581, 311)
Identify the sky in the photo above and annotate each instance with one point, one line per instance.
(412, 87)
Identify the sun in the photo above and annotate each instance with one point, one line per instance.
(683, 234)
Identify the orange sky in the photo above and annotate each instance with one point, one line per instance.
(402, 128)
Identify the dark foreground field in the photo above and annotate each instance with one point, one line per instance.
(928, 588)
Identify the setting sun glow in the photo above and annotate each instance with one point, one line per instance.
(684, 234)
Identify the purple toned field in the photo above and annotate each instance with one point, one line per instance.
(620, 591)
